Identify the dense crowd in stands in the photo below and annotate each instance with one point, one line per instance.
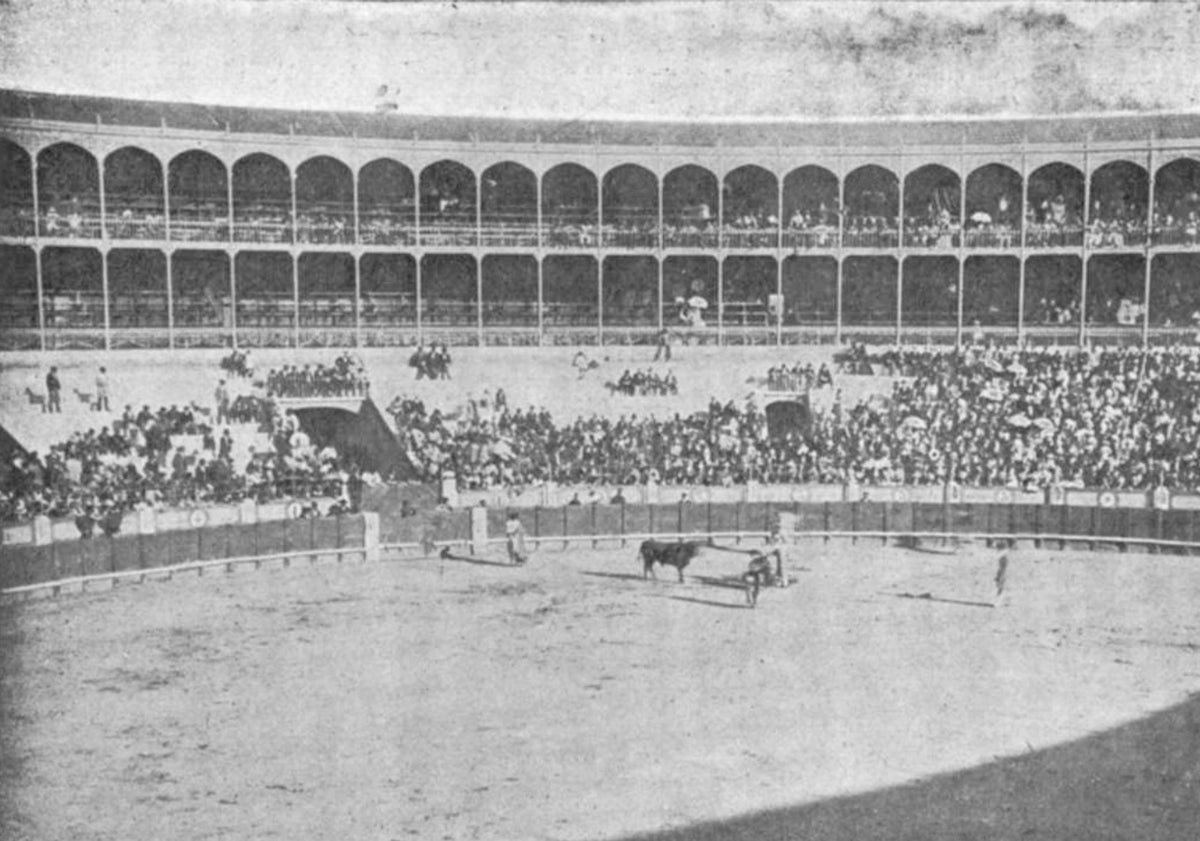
(1113, 419)
(140, 462)
(645, 382)
(346, 377)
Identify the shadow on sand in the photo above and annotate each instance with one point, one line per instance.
(447, 555)
(619, 576)
(709, 602)
(1135, 782)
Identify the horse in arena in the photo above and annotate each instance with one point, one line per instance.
(677, 555)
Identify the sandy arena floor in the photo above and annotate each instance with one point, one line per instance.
(571, 700)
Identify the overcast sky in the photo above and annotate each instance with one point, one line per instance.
(636, 60)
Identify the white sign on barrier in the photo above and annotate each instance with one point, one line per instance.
(43, 530)
(146, 521)
(247, 512)
(18, 536)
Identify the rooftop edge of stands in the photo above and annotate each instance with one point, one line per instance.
(749, 131)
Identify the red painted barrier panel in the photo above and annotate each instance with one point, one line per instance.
(609, 519)
(867, 516)
(810, 516)
(1177, 525)
(693, 517)
(496, 518)
(664, 519)
(637, 519)
(243, 540)
(898, 516)
(1142, 524)
(726, 517)
(577, 520)
(124, 552)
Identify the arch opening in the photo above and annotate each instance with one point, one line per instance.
(17, 215)
(198, 186)
(570, 207)
(872, 216)
(202, 298)
(388, 286)
(571, 292)
(68, 181)
(137, 294)
(630, 208)
(133, 202)
(266, 303)
(324, 202)
(811, 212)
(509, 206)
(448, 204)
(510, 290)
(690, 199)
(750, 208)
(1117, 217)
(932, 208)
(326, 296)
(1177, 203)
(262, 200)
(1054, 218)
(630, 292)
(387, 207)
(994, 207)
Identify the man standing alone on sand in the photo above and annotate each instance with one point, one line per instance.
(53, 392)
(515, 532)
(222, 398)
(101, 404)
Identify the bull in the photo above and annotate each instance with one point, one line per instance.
(677, 555)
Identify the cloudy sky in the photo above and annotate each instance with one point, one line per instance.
(752, 59)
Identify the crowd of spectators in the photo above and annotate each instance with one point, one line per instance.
(237, 364)
(141, 462)
(983, 417)
(798, 378)
(644, 382)
(326, 226)
(346, 377)
(431, 362)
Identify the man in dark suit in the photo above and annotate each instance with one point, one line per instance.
(53, 392)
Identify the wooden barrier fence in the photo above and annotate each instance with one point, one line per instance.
(27, 568)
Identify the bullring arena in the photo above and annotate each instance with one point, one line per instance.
(970, 647)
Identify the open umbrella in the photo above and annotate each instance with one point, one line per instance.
(914, 422)
(1044, 424)
(1019, 420)
(696, 302)
(981, 217)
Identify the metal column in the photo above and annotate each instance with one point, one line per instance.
(37, 256)
(1149, 241)
(356, 252)
(1024, 214)
(294, 254)
(168, 253)
(1083, 248)
(962, 244)
(104, 258)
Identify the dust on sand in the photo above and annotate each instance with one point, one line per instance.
(569, 699)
